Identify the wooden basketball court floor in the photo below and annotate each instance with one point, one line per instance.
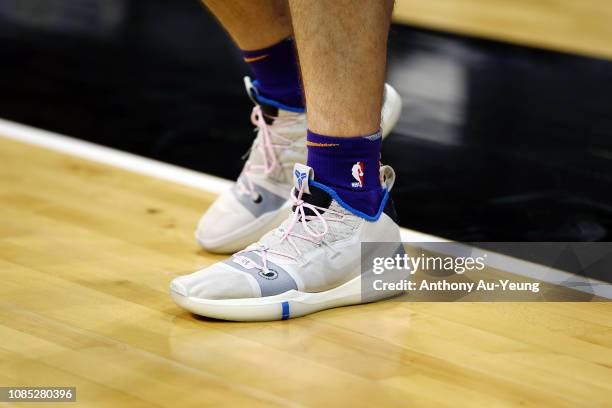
(86, 254)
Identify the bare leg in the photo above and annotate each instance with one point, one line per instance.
(253, 24)
(342, 47)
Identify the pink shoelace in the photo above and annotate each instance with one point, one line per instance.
(298, 216)
(267, 144)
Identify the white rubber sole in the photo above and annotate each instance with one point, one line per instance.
(284, 306)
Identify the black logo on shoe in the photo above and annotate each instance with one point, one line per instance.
(270, 274)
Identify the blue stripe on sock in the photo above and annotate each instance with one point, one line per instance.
(285, 306)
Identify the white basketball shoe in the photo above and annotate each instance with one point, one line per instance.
(258, 202)
(309, 263)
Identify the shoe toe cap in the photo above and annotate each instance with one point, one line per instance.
(222, 219)
(215, 282)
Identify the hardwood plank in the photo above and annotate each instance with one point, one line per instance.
(574, 26)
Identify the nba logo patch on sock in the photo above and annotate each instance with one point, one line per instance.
(358, 171)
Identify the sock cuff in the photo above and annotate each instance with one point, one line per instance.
(374, 136)
(277, 75)
(284, 45)
(367, 145)
(348, 163)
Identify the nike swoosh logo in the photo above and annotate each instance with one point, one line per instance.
(258, 58)
(314, 144)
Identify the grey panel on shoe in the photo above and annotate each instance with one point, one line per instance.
(268, 202)
(272, 282)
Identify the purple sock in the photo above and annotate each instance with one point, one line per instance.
(349, 166)
(277, 75)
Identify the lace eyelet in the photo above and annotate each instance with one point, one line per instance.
(258, 199)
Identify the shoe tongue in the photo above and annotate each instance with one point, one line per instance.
(270, 112)
(302, 177)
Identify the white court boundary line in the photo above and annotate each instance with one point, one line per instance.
(113, 157)
(201, 181)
